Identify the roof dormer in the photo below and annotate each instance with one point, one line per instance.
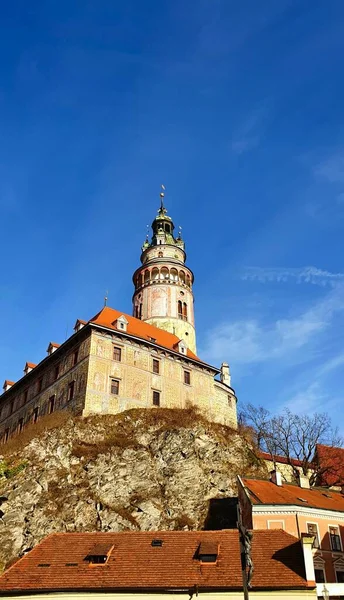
(121, 323)
(7, 385)
(52, 347)
(28, 367)
(79, 324)
(181, 347)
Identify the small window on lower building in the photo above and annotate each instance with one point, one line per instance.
(335, 539)
(156, 366)
(7, 435)
(319, 575)
(187, 377)
(340, 576)
(71, 388)
(312, 528)
(156, 398)
(75, 357)
(51, 404)
(25, 397)
(20, 425)
(115, 387)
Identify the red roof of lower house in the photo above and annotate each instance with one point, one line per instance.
(135, 561)
(330, 464)
(107, 316)
(267, 492)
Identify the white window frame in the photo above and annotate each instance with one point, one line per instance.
(317, 526)
(339, 535)
(276, 521)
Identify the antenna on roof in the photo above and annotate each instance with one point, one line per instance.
(162, 196)
(106, 297)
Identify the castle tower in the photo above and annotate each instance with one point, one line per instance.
(163, 284)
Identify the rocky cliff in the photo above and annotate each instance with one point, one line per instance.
(143, 469)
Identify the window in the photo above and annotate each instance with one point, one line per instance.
(340, 576)
(39, 385)
(7, 435)
(26, 393)
(20, 425)
(229, 401)
(156, 366)
(156, 398)
(115, 386)
(335, 539)
(187, 377)
(312, 528)
(52, 404)
(117, 354)
(56, 372)
(75, 357)
(180, 309)
(185, 311)
(98, 560)
(11, 407)
(319, 575)
(35, 415)
(71, 386)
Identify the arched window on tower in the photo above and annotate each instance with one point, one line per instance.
(160, 254)
(180, 310)
(185, 311)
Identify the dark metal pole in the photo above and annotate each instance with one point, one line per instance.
(242, 531)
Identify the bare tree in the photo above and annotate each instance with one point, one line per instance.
(295, 436)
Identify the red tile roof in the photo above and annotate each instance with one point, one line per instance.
(266, 492)
(107, 316)
(331, 465)
(134, 563)
(30, 365)
(279, 459)
(8, 382)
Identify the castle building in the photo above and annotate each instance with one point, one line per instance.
(115, 362)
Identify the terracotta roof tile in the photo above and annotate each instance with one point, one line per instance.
(8, 382)
(134, 563)
(30, 365)
(107, 316)
(279, 459)
(331, 463)
(266, 492)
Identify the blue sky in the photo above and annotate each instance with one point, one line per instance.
(237, 108)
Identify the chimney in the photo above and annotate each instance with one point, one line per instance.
(307, 541)
(303, 481)
(225, 374)
(276, 477)
(7, 385)
(52, 347)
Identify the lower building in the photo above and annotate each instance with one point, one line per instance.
(113, 363)
(176, 564)
(300, 510)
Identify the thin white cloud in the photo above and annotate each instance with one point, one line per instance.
(253, 342)
(249, 133)
(311, 275)
(332, 168)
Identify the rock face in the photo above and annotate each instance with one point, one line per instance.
(143, 469)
